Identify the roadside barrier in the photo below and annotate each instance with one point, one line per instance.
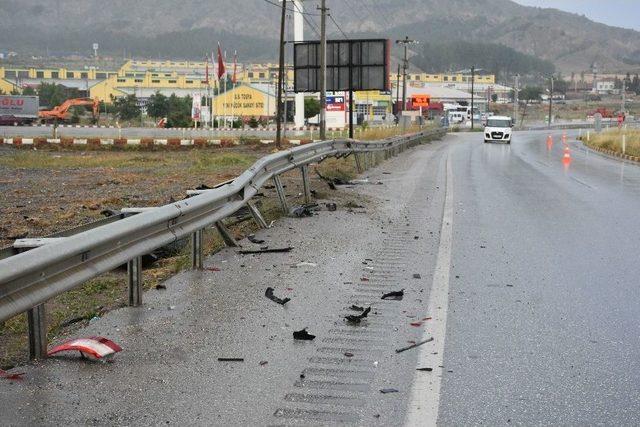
(35, 270)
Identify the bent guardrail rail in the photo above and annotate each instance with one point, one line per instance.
(29, 279)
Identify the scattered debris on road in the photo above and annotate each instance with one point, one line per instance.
(265, 250)
(302, 211)
(92, 347)
(230, 359)
(424, 369)
(358, 318)
(418, 344)
(252, 238)
(263, 362)
(212, 269)
(303, 335)
(306, 264)
(7, 376)
(347, 354)
(356, 308)
(389, 390)
(160, 286)
(417, 276)
(269, 294)
(331, 207)
(396, 295)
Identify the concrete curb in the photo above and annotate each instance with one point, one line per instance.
(612, 153)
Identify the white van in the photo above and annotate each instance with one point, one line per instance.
(498, 128)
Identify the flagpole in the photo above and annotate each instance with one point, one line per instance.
(233, 86)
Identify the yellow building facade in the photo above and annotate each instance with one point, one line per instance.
(245, 101)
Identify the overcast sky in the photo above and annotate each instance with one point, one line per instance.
(620, 13)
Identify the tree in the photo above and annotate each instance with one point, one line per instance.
(158, 106)
(530, 93)
(494, 97)
(51, 94)
(311, 107)
(29, 91)
(179, 111)
(126, 107)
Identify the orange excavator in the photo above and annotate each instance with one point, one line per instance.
(61, 112)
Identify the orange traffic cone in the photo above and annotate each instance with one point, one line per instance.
(549, 142)
(566, 157)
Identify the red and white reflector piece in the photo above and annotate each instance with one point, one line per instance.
(92, 347)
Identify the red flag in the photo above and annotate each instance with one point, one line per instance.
(234, 80)
(206, 71)
(221, 68)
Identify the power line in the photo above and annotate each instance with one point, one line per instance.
(310, 23)
(338, 26)
(291, 10)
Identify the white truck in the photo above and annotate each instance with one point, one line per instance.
(498, 129)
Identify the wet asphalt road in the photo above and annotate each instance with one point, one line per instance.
(543, 324)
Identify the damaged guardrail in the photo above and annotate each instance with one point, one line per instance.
(44, 268)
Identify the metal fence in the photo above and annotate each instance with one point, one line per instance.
(37, 270)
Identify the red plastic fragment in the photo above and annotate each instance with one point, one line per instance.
(416, 324)
(364, 279)
(94, 347)
(8, 376)
(212, 269)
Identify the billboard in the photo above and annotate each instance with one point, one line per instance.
(196, 107)
(19, 106)
(420, 100)
(351, 65)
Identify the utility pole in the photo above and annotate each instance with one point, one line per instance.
(323, 70)
(280, 77)
(405, 42)
(550, 101)
(515, 99)
(398, 91)
(473, 80)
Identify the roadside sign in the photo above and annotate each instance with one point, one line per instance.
(335, 103)
(356, 65)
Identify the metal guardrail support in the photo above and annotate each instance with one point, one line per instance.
(257, 216)
(358, 163)
(281, 194)
(36, 317)
(306, 185)
(134, 281)
(197, 261)
(226, 235)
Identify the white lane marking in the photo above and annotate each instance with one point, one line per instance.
(424, 401)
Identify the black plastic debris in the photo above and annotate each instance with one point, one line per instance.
(418, 344)
(110, 212)
(303, 335)
(252, 238)
(203, 187)
(269, 294)
(331, 207)
(302, 211)
(396, 295)
(356, 308)
(358, 318)
(389, 390)
(230, 359)
(424, 369)
(160, 286)
(265, 250)
(417, 276)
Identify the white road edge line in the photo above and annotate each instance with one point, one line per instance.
(424, 401)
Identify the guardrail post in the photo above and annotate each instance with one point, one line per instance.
(365, 162)
(196, 249)
(304, 169)
(356, 156)
(257, 216)
(37, 332)
(226, 235)
(281, 194)
(134, 279)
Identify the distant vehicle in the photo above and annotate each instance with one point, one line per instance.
(498, 128)
(62, 112)
(18, 110)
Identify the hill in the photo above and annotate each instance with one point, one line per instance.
(188, 28)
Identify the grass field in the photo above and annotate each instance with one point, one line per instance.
(612, 140)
